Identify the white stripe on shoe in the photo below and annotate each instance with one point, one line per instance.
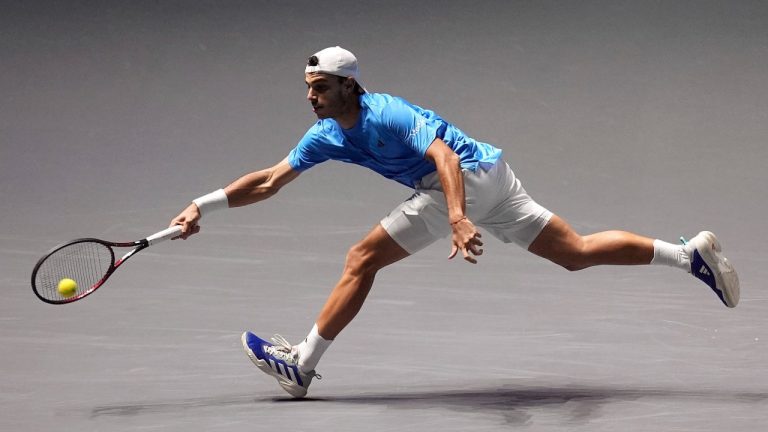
(292, 376)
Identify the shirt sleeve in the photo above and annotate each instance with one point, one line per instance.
(407, 125)
(308, 152)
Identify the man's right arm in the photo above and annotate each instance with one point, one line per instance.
(260, 185)
(248, 189)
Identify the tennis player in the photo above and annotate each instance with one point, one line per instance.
(459, 184)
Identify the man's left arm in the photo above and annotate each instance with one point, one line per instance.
(465, 236)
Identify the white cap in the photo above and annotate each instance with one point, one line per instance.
(335, 61)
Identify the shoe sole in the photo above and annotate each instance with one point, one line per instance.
(726, 279)
(288, 386)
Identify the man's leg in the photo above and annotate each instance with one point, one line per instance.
(411, 226)
(702, 256)
(294, 366)
(559, 243)
(364, 259)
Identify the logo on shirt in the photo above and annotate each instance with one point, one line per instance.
(418, 127)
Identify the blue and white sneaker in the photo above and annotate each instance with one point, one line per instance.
(279, 359)
(709, 265)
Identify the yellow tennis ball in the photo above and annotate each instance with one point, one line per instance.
(67, 287)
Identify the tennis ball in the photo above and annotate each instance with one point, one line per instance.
(67, 287)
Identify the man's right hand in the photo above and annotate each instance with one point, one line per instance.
(187, 219)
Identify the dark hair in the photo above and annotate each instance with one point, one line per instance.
(358, 88)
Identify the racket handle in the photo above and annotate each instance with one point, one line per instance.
(165, 234)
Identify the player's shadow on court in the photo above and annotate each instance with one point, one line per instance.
(516, 405)
(513, 405)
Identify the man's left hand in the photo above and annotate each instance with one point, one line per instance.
(467, 239)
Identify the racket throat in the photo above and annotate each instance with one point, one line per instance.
(125, 257)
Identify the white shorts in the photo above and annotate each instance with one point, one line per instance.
(495, 201)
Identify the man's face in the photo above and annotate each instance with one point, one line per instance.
(328, 94)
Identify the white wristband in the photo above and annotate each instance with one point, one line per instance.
(213, 201)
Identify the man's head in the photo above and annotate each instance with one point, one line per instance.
(332, 78)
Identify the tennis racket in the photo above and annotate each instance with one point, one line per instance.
(87, 261)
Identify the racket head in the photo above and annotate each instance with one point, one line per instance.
(87, 261)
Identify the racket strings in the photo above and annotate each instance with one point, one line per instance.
(85, 262)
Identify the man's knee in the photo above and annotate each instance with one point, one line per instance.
(571, 255)
(361, 259)
(574, 266)
(373, 253)
(559, 243)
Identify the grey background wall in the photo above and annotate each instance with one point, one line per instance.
(647, 116)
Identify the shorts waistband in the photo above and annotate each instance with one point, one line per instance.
(430, 178)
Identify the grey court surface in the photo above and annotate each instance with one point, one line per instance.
(646, 116)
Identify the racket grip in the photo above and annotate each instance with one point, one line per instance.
(165, 234)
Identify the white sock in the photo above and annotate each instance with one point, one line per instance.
(311, 349)
(671, 255)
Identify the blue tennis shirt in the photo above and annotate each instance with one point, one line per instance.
(391, 137)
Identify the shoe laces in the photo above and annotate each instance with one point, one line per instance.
(283, 350)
